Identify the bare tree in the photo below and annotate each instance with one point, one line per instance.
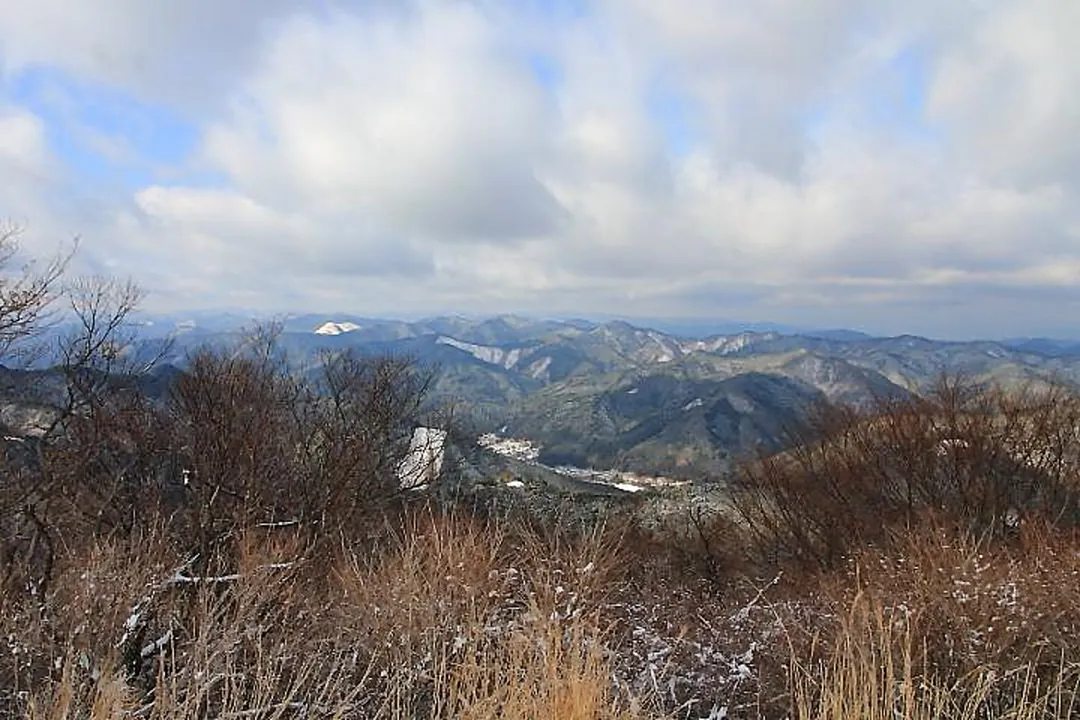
(96, 347)
(71, 465)
(243, 439)
(28, 295)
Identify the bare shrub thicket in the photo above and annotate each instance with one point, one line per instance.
(981, 458)
(254, 443)
(239, 440)
(49, 474)
(93, 467)
(928, 550)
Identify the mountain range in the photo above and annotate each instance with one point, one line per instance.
(615, 394)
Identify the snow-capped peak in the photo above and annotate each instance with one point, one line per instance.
(336, 328)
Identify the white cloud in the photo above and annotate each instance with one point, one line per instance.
(419, 125)
(1006, 91)
(772, 156)
(754, 70)
(28, 172)
(180, 53)
(23, 148)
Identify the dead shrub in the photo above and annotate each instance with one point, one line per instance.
(259, 444)
(982, 458)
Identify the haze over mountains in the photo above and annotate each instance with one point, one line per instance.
(615, 394)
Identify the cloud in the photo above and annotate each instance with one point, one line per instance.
(186, 54)
(836, 160)
(224, 232)
(29, 174)
(419, 125)
(751, 72)
(1007, 90)
(24, 153)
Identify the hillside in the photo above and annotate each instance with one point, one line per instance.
(617, 395)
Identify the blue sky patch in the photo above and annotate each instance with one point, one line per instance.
(104, 135)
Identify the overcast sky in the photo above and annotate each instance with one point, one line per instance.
(897, 166)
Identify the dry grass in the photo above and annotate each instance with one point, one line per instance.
(449, 618)
(874, 671)
(945, 626)
(477, 623)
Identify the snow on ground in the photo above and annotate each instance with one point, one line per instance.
(620, 478)
(725, 344)
(538, 368)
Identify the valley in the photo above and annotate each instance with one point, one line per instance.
(615, 396)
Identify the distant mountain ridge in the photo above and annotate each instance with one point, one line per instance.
(613, 394)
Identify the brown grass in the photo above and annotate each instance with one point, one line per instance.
(452, 617)
(449, 618)
(873, 670)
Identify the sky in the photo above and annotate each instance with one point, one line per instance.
(888, 165)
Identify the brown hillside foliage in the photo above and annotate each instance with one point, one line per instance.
(984, 459)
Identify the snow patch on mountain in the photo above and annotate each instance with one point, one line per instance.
(629, 487)
(726, 344)
(665, 349)
(336, 328)
(538, 369)
(487, 353)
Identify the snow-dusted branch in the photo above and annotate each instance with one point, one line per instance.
(744, 612)
(179, 578)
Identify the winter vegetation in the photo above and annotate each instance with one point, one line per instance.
(260, 543)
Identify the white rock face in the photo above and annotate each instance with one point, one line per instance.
(423, 463)
(335, 328)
